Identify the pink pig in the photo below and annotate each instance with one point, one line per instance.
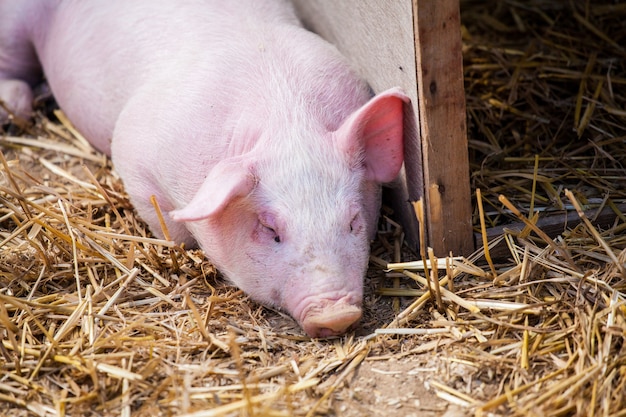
(259, 142)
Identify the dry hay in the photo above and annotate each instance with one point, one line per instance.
(545, 86)
(98, 318)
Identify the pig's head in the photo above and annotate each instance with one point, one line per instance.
(290, 222)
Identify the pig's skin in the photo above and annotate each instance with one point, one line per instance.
(253, 134)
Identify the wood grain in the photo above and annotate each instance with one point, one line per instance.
(441, 101)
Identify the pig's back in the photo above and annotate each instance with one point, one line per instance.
(97, 55)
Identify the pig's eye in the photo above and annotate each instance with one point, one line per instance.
(267, 225)
(356, 224)
(272, 232)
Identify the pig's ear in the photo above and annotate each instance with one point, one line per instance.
(228, 180)
(374, 133)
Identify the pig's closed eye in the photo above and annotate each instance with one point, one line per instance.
(267, 224)
(356, 225)
(273, 232)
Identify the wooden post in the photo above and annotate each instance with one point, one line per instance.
(442, 122)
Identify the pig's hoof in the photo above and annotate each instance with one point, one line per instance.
(16, 99)
(332, 321)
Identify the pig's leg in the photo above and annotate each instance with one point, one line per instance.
(19, 67)
(16, 98)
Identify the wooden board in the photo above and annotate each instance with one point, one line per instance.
(379, 39)
(553, 225)
(439, 64)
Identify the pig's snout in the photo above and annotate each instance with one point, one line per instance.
(331, 319)
(329, 307)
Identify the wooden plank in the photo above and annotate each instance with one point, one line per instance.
(553, 225)
(377, 37)
(441, 101)
(380, 40)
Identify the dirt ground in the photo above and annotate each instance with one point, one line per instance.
(392, 388)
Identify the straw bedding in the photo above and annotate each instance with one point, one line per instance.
(98, 318)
